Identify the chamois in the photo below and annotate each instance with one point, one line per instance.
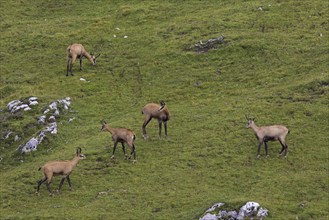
(122, 135)
(160, 112)
(75, 51)
(269, 133)
(62, 167)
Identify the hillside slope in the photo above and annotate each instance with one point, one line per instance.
(273, 65)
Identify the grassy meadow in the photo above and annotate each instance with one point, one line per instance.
(273, 66)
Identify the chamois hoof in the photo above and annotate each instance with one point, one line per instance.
(134, 161)
(112, 158)
(126, 157)
(37, 193)
(257, 156)
(58, 191)
(267, 156)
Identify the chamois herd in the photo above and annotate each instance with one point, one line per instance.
(160, 112)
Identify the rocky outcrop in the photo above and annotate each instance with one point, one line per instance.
(251, 210)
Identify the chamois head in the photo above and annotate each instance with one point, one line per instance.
(93, 57)
(250, 121)
(79, 154)
(103, 125)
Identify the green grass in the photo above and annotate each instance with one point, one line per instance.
(273, 66)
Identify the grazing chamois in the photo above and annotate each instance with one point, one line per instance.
(269, 133)
(160, 112)
(75, 51)
(62, 168)
(122, 135)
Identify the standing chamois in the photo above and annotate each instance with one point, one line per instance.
(56, 168)
(75, 51)
(122, 135)
(269, 133)
(160, 112)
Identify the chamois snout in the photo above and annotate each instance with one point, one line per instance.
(82, 156)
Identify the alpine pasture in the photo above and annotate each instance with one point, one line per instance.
(272, 66)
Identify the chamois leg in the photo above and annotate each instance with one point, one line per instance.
(69, 181)
(43, 179)
(266, 148)
(49, 178)
(160, 128)
(133, 152)
(115, 146)
(259, 145)
(48, 187)
(283, 147)
(80, 63)
(72, 61)
(60, 184)
(165, 127)
(286, 150)
(68, 67)
(124, 150)
(146, 121)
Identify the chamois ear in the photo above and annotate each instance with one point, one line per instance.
(103, 125)
(97, 56)
(78, 151)
(162, 105)
(91, 53)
